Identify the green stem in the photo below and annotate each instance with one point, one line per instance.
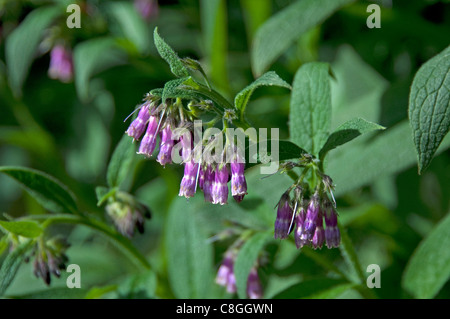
(123, 242)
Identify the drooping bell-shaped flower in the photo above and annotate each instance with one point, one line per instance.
(225, 275)
(208, 184)
(188, 183)
(319, 233)
(220, 185)
(137, 127)
(300, 220)
(165, 149)
(254, 287)
(284, 217)
(148, 142)
(332, 233)
(61, 65)
(238, 182)
(312, 212)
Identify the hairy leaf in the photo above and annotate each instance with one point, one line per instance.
(429, 106)
(167, 53)
(310, 109)
(47, 190)
(282, 29)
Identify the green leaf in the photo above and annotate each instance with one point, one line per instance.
(120, 163)
(333, 292)
(168, 54)
(25, 228)
(11, 264)
(350, 257)
(22, 44)
(132, 24)
(267, 79)
(54, 293)
(429, 267)
(48, 191)
(91, 57)
(360, 163)
(286, 151)
(247, 256)
(347, 132)
(215, 39)
(278, 33)
(309, 288)
(310, 108)
(429, 106)
(189, 256)
(175, 89)
(138, 286)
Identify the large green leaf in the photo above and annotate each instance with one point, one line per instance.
(121, 161)
(189, 256)
(22, 43)
(359, 164)
(246, 258)
(429, 106)
(310, 108)
(312, 287)
(429, 267)
(25, 228)
(47, 190)
(347, 132)
(11, 264)
(91, 57)
(167, 53)
(215, 31)
(281, 30)
(132, 24)
(267, 79)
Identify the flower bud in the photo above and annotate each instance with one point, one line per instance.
(300, 220)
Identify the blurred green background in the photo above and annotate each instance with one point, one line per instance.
(69, 131)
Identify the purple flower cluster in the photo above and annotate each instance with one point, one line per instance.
(307, 218)
(211, 177)
(226, 277)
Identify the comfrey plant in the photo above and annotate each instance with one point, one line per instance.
(187, 122)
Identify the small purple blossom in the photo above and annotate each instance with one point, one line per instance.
(148, 142)
(208, 184)
(238, 182)
(147, 8)
(300, 220)
(225, 275)
(220, 185)
(137, 127)
(254, 287)
(319, 233)
(188, 183)
(165, 149)
(284, 217)
(61, 65)
(312, 212)
(332, 233)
